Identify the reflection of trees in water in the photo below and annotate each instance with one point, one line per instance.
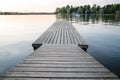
(107, 18)
(117, 17)
(86, 18)
(90, 18)
(64, 17)
(110, 18)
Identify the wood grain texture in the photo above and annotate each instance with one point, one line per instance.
(59, 66)
(61, 32)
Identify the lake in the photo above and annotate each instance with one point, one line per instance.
(18, 32)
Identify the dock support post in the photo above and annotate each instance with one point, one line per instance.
(84, 47)
(36, 46)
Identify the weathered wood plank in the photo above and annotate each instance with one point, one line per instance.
(65, 37)
(56, 59)
(68, 36)
(25, 69)
(62, 36)
(53, 37)
(56, 35)
(20, 78)
(63, 62)
(61, 65)
(51, 79)
(60, 75)
(60, 56)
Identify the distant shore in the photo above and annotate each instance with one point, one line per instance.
(17, 13)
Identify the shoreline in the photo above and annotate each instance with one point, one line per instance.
(27, 13)
(45, 14)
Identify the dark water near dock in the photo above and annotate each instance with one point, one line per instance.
(102, 33)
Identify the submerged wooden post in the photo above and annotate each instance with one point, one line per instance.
(59, 58)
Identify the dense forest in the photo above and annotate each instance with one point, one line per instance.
(87, 9)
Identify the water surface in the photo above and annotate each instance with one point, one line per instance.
(17, 33)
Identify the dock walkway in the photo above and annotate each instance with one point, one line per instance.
(59, 61)
(61, 32)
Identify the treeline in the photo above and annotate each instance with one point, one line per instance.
(87, 9)
(9, 13)
(24, 13)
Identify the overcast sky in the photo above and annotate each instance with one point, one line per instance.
(47, 5)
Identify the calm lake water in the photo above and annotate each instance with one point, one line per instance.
(18, 32)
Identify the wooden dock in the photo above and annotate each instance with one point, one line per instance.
(59, 60)
(61, 32)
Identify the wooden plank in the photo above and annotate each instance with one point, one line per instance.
(68, 60)
(46, 38)
(53, 36)
(67, 53)
(49, 37)
(61, 46)
(48, 62)
(71, 38)
(65, 36)
(60, 75)
(17, 78)
(50, 79)
(25, 69)
(62, 51)
(87, 79)
(53, 58)
(74, 38)
(61, 65)
(20, 78)
(62, 33)
(58, 38)
(56, 59)
(68, 37)
(60, 56)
